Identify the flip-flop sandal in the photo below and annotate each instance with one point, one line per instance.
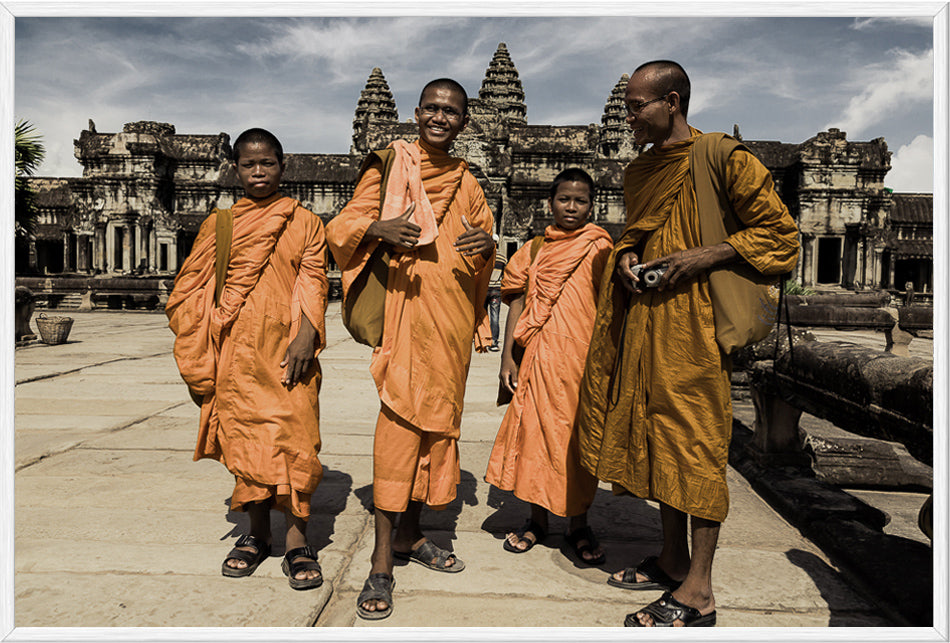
(252, 558)
(666, 610)
(581, 534)
(530, 526)
(658, 579)
(378, 587)
(430, 555)
(306, 561)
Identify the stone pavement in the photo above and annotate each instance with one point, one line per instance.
(116, 526)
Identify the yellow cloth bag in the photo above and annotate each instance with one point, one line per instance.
(745, 302)
(364, 306)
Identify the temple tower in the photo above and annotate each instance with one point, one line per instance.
(502, 87)
(376, 106)
(615, 139)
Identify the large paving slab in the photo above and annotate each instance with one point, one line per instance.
(116, 526)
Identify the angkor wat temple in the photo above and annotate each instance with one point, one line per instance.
(145, 190)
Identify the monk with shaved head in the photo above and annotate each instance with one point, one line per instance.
(655, 413)
(422, 215)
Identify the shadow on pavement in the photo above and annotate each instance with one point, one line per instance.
(326, 504)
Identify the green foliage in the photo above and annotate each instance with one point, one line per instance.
(29, 153)
(792, 287)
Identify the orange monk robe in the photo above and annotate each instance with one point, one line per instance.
(434, 307)
(266, 435)
(661, 428)
(535, 453)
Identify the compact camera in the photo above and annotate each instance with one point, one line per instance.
(651, 277)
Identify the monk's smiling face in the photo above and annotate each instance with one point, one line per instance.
(571, 205)
(259, 169)
(441, 116)
(648, 110)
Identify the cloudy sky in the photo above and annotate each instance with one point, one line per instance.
(778, 78)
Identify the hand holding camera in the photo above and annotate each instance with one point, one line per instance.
(649, 277)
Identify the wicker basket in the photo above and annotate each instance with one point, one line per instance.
(53, 330)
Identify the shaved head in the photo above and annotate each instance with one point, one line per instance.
(668, 76)
(449, 84)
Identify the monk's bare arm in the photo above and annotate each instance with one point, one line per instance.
(509, 370)
(299, 357)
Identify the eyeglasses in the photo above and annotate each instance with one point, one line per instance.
(448, 112)
(636, 108)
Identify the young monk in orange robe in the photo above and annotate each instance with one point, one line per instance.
(250, 361)
(552, 298)
(438, 279)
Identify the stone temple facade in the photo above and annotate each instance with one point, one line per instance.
(145, 190)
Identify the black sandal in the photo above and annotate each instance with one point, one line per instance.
(530, 526)
(581, 534)
(378, 587)
(657, 578)
(292, 567)
(430, 555)
(666, 610)
(253, 559)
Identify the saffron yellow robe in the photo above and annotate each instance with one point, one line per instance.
(434, 308)
(655, 416)
(535, 453)
(266, 434)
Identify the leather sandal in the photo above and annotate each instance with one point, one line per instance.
(666, 610)
(302, 559)
(656, 577)
(432, 556)
(580, 535)
(378, 587)
(252, 558)
(529, 527)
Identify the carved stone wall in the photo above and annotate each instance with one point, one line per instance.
(145, 191)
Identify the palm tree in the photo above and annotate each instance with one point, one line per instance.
(29, 154)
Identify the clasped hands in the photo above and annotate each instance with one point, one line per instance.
(403, 235)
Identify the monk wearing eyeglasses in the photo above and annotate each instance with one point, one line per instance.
(655, 414)
(437, 225)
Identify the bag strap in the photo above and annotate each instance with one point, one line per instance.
(385, 156)
(707, 171)
(536, 244)
(224, 227)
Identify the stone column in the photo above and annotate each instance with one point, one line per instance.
(109, 260)
(173, 255)
(81, 255)
(153, 250)
(66, 252)
(805, 262)
(127, 248)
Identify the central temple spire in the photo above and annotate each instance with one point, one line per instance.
(376, 104)
(502, 87)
